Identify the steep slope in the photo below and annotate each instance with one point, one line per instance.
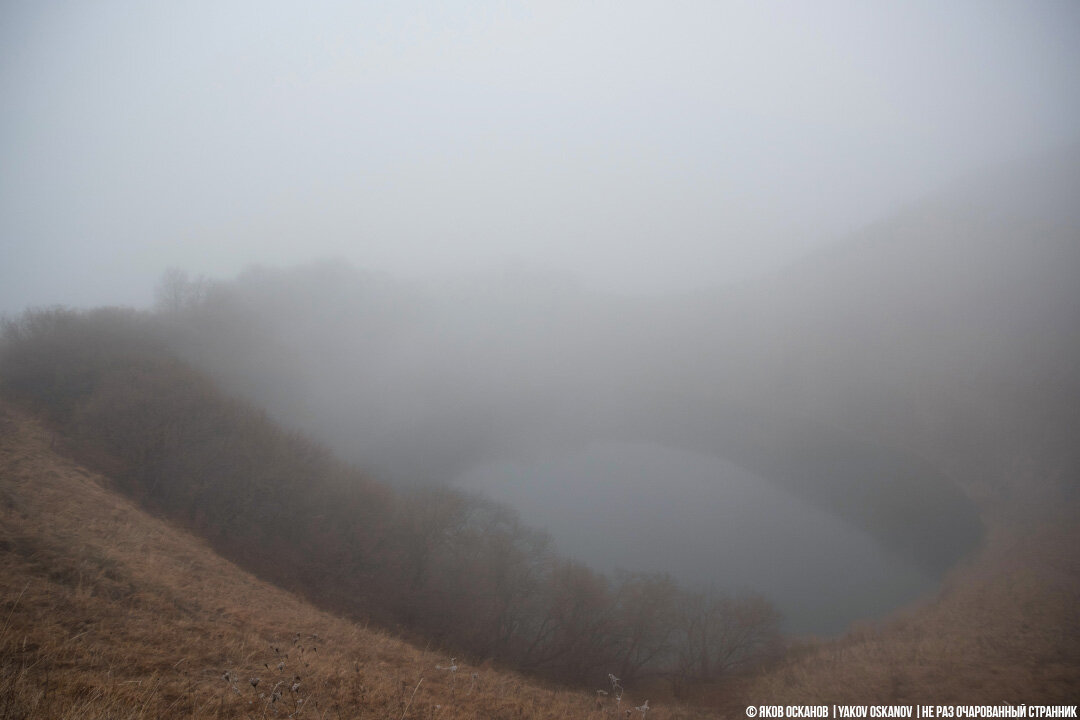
(109, 612)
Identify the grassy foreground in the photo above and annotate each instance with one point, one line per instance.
(107, 612)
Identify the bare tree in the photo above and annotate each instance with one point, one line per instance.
(176, 291)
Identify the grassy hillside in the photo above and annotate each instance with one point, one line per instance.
(107, 611)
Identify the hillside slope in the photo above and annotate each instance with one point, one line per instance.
(109, 612)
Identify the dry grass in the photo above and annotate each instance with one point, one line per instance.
(106, 612)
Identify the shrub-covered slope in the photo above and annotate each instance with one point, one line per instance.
(437, 565)
(108, 612)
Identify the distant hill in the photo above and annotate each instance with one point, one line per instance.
(953, 330)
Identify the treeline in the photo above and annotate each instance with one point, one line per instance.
(453, 568)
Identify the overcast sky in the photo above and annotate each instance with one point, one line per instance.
(642, 146)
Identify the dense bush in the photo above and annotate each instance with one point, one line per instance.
(435, 563)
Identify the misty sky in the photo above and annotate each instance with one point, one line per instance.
(640, 146)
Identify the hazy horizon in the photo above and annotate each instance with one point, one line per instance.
(641, 149)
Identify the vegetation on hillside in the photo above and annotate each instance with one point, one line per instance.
(108, 612)
(460, 572)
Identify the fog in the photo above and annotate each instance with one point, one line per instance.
(738, 292)
(637, 147)
(821, 435)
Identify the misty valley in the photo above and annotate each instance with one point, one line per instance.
(677, 491)
(522, 361)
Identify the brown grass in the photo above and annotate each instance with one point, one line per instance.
(107, 612)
